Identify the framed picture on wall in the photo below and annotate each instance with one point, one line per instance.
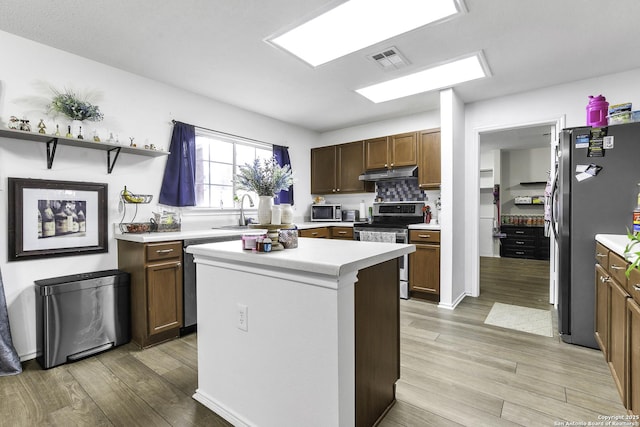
(56, 218)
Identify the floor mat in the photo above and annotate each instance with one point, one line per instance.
(531, 320)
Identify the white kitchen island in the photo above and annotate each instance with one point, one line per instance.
(300, 337)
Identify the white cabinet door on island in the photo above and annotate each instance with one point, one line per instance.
(307, 336)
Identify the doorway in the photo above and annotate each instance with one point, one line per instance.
(515, 164)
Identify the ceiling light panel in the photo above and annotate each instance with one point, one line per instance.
(356, 24)
(442, 76)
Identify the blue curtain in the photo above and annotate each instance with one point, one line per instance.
(282, 157)
(178, 184)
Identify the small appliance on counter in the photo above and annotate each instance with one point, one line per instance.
(350, 215)
(326, 212)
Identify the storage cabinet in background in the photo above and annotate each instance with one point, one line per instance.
(524, 242)
(429, 172)
(336, 169)
(424, 264)
(392, 151)
(156, 289)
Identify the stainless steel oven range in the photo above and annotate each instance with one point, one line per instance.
(390, 223)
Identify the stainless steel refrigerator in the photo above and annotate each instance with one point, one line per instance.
(598, 200)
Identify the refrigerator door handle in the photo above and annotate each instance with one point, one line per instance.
(554, 220)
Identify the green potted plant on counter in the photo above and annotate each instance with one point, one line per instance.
(266, 178)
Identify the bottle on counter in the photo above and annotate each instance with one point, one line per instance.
(636, 214)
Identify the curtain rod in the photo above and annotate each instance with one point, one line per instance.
(224, 133)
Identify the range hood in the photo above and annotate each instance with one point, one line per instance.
(390, 174)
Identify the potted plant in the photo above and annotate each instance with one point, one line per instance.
(265, 178)
(78, 109)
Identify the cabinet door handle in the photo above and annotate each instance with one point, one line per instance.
(338, 190)
(605, 279)
(391, 164)
(599, 255)
(342, 232)
(178, 265)
(164, 251)
(519, 242)
(519, 232)
(424, 236)
(314, 233)
(519, 253)
(615, 267)
(386, 165)
(636, 288)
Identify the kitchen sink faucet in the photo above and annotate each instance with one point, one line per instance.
(242, 220)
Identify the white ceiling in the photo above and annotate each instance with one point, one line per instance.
(216, 48)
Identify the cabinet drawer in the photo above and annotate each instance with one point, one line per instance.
(342, 232)
(163, 251)
(321, 232)
(518, 252)
(520, 231)
(424, 236)
(633, 285)
(602, 255)
(520, 242)
(617, 267)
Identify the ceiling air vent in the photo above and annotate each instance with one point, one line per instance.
(389, 59)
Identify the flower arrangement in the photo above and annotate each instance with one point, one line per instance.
(74, 107)
(265, 178)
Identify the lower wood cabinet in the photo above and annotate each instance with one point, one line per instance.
(617, 326)
(424, 264)
(344, 233)
(318, 232)
(156, 289)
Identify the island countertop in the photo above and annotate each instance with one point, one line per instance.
(322, 256)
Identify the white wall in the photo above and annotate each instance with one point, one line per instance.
(524, 165)
(562, 103)
(133, 106)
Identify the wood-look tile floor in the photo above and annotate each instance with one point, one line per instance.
(455, 371)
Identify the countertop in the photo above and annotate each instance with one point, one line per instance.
(155, 237)
(211, 232)
(322, 256)
(615, 242)
(430, 226)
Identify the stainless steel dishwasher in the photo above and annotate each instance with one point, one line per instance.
(189, 310)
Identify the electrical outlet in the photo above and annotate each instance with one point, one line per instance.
(243, 319)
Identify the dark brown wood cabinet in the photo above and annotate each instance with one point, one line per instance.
(617, 326)
(336, 169)
(156, 289)
(424, 263)
(318, 232)
(429, 169)
(344, 233)
(391, 151)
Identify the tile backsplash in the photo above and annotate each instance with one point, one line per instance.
(399, 190)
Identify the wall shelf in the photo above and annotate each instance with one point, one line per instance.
(534, 183)
(52, 142)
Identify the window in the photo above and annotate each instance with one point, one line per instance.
(218, 157)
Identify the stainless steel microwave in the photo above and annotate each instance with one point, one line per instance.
(326, 212)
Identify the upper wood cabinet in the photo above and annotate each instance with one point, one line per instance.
(429, 159)
(392, 151)
(336, 169)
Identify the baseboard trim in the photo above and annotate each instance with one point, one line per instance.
(219, 409)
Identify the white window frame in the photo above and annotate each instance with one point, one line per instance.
(235, 140)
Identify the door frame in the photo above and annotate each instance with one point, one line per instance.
(473, 196)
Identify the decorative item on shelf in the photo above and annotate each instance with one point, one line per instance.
(96, 138)
(266, 178)
(42, 128)
(131, 144)
(57, 132)
(80, 133)
(14, 123)
(69, 134)
(24, 125)
(76, 108)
